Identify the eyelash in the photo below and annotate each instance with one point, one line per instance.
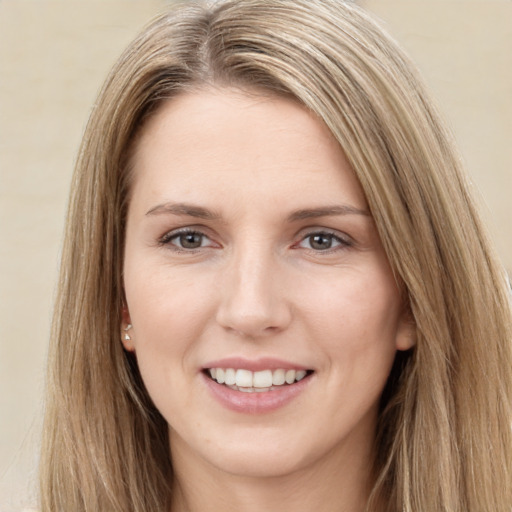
(167, 239)
(342, 242)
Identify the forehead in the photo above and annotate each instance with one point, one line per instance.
(228, 138)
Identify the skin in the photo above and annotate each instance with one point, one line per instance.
(258, 286)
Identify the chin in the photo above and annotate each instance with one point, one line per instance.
(256, 457)
(261, 466)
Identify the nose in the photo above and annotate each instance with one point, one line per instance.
(253, 299)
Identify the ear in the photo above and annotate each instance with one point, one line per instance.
(406, 334)
(127, 330)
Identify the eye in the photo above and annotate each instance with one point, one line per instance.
(186, 240)
(323, 241)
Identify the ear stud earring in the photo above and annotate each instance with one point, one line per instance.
(126, 335)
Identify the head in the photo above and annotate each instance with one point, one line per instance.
(330, 58)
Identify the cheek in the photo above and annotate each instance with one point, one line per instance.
(168, 317)
(359, 309)
(355, 323)
(161, 298)
(169, 311)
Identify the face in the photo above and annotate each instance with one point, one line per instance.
(265, 314)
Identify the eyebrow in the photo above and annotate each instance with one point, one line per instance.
(184, 209)
(303, 214)
(312, 213)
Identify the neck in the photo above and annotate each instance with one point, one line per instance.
(340, 483)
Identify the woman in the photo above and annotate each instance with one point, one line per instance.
(270, 215)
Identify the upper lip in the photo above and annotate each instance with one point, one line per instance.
(254, 365)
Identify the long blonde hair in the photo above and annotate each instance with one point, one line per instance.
(444, 438)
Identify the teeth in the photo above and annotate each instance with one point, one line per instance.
(243, 378)
(229, 377)
(253, 389)
(289, 377)
(278, 378)
(262, 379)
(300, 374)
(219, 375)
(247, 381)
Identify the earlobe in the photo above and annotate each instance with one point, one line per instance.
(126, 338)
(126, 335)
(406, 335)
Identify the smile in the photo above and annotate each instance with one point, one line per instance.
(257, 386)
(256, 382)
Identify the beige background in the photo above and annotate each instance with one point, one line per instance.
(53, 58)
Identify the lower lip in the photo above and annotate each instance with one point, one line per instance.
(255, 402)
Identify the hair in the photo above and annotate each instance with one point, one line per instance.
(444, 439)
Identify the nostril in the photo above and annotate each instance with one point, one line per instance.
(253, 308)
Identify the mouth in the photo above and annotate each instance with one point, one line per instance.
(246, 381)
